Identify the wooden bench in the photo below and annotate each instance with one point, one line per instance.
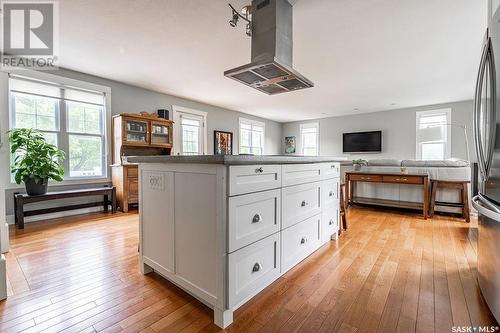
(461, 186)
(20, 200)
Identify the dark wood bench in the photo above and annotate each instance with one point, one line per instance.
(20, 200)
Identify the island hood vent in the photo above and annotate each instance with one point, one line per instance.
(271, 69)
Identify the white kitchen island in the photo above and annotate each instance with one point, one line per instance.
(225, 227)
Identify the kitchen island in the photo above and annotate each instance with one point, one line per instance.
(225, 227)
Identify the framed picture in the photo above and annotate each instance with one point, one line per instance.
(290, 144)
(223, 143)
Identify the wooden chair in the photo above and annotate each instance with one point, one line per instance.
(343, 206)
(464, 196)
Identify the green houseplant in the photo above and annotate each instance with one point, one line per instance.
(35, 160)
(359, 163)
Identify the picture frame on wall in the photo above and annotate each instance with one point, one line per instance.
(290, 144)
(223, 143)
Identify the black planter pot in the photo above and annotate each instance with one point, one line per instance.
(34, 188)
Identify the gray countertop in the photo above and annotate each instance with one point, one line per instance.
(233, 159)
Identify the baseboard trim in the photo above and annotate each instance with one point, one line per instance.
(11, 219)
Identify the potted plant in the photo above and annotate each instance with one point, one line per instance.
(35, 160)
(358, 163)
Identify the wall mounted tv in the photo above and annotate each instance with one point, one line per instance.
(362, 142)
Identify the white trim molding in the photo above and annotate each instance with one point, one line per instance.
(176, 116)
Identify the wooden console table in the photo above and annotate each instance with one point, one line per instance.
(351, 178)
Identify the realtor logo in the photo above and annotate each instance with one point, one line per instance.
(29, 34)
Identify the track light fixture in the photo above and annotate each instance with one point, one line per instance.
(246, 15)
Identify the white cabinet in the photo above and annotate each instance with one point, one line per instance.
(252, 268)
(330, 189)
(224, 233)
(253, 178)
(253, 217)
(158, 198)
(330, 170)
(299, 241)
(300, 202)
(329, 224)
(294, 174)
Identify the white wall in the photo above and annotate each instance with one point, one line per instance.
(398, 131)
(129, 99)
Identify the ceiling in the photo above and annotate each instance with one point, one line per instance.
(363, 56)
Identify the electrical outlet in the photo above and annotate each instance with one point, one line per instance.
(156, 182)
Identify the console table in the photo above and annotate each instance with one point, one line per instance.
(351, 178)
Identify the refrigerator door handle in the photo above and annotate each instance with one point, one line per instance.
(477, 111)
(486, 208)
(492, 109)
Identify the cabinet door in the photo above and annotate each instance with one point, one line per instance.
(157, 217)
(300, 202)
(161, 134)
(135, 132)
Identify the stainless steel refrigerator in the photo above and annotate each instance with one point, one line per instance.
(487, 142)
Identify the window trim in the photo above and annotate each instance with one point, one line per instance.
(176, 113)
(252, 122)
(426, 113)
(70, 84)
(309, 125)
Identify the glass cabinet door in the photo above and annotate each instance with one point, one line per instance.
(136, 131)
(160, 134)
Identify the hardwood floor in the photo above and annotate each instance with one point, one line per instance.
(390, 272)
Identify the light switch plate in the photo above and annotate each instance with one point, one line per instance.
(156, 181)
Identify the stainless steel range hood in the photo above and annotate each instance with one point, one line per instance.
(272, 51)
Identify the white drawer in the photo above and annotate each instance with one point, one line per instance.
(330, 170)
(329, 224)
(253, 217)
(300, 202)
(253, 178)
(294, 174)
(300, 241)
(330, 195)
(253, 268)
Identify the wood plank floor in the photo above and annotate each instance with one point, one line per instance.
(390, 272)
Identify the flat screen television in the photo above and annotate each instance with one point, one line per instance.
(362, 142)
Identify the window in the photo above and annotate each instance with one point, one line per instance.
(71, 118)
(309, 138)
(190, 131)
(433, 135)
(252, 136)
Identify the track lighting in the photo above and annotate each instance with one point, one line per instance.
(246, 15)
(234, 21)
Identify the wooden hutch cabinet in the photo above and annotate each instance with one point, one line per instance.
(134, 135)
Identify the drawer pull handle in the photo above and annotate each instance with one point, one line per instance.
(331, 194)
(366, 178)
(303, 203)
(332, 166)
(256, 267)
(303, 240)
(257, 218)
(401, 179)
(331, 222)
(259, 170)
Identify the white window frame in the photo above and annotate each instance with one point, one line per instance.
(70, 83)
(427, 113)
(177, 111)
(305, 126)
(252, 123)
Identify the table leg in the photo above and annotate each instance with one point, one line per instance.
(465, 200)
(426, 197)
(113, 200)
(19, 212)
(434, 186)
(106, 202)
